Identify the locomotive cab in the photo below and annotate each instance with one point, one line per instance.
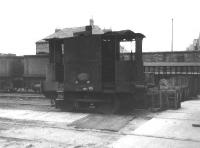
(92, 71)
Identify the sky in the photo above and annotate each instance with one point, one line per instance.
(23, 22)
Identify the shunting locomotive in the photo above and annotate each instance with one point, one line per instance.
(89, 68)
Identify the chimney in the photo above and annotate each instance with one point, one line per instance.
(91, 22)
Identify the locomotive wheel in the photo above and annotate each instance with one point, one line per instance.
(111, 107)
(76, 106)
(68, 106)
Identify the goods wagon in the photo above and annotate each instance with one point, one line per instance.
(11, 72)
(34, 72)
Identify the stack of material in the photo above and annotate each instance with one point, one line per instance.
(159, 99)
(174, 97)
(165, 96)
(173, 90)
(181, 85)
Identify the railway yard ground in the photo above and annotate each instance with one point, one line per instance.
(29, 121)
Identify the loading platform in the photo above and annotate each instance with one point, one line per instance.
(172, 128)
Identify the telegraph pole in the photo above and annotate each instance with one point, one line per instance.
(172, 42)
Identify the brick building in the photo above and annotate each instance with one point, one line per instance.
(42, 47)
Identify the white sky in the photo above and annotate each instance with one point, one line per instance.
(23, 22)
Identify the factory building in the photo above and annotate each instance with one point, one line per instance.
(195, 45)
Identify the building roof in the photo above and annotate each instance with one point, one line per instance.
(7, 54)
(41, 41)
(69, 32)
(170, 52)
(36, 56)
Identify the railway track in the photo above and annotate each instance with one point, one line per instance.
(32, 123)
(22, 132)
(29, 143)
(17, 139)
(28, 133)
(38, 141)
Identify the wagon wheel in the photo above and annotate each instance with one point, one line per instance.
(111, 107)
(52, 97)
(53, 102)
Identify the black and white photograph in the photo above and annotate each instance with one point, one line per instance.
(99, 74)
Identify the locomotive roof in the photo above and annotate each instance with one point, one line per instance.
(123, 35)
(69, 32)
